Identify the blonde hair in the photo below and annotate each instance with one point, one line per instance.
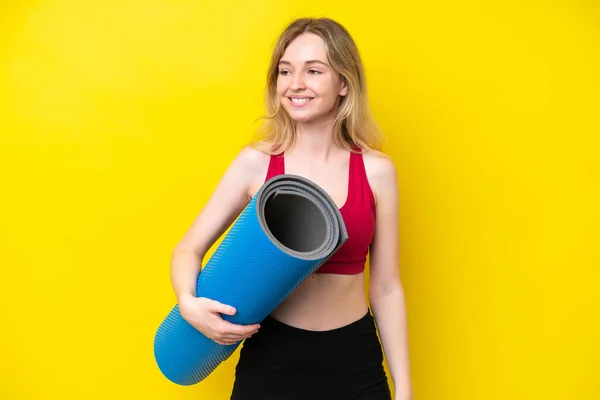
(354, 126)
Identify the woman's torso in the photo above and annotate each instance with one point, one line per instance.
(325, 301)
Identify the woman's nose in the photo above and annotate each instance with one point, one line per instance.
(298, 82)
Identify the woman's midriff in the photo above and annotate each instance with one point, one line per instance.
(323, 302)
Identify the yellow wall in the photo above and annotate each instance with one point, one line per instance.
(117, 118)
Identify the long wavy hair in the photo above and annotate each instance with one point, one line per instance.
(354, 125)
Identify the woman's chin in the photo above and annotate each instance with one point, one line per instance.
(301, 119)
(299, 116)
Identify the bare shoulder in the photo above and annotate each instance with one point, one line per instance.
(253, 164)
(248, 163)
(381, 173)
(252, 158)
(379, 166)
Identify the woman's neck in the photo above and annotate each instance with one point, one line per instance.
(315, 140)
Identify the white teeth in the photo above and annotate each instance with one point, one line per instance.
(299, 101)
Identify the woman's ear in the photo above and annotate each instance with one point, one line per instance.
(344, 89)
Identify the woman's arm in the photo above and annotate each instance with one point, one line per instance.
(386, 294)
(229, 198)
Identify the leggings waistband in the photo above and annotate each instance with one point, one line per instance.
(365, 322)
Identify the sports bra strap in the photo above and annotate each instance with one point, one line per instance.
(276, 166)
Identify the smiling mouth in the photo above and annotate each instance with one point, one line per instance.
(300, 101)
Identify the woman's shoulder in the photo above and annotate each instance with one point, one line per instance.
(252, 157)
(380, 170)
(252, 162)
(378, 163)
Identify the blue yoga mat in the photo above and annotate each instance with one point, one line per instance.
(289, 229)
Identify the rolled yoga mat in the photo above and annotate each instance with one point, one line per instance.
(289, 228)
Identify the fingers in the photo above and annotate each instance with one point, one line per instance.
(221, 308)
(239, 330)
(223, 331)
(228, 339)
(225, 343)
(228, 333)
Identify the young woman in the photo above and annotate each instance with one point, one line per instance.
(321, 342)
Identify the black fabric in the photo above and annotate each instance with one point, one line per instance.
(282, 362)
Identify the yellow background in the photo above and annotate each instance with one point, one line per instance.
(117, 119)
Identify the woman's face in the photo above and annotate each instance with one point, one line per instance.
(307, 86)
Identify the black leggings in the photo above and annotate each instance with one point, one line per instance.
(281, 362)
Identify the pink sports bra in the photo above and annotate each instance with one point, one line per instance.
(358, 213)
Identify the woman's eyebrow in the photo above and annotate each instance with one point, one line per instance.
(306, 62)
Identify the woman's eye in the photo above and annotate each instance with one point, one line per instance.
(283, 72)
(314, 72)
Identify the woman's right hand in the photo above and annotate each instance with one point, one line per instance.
(205, 315)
